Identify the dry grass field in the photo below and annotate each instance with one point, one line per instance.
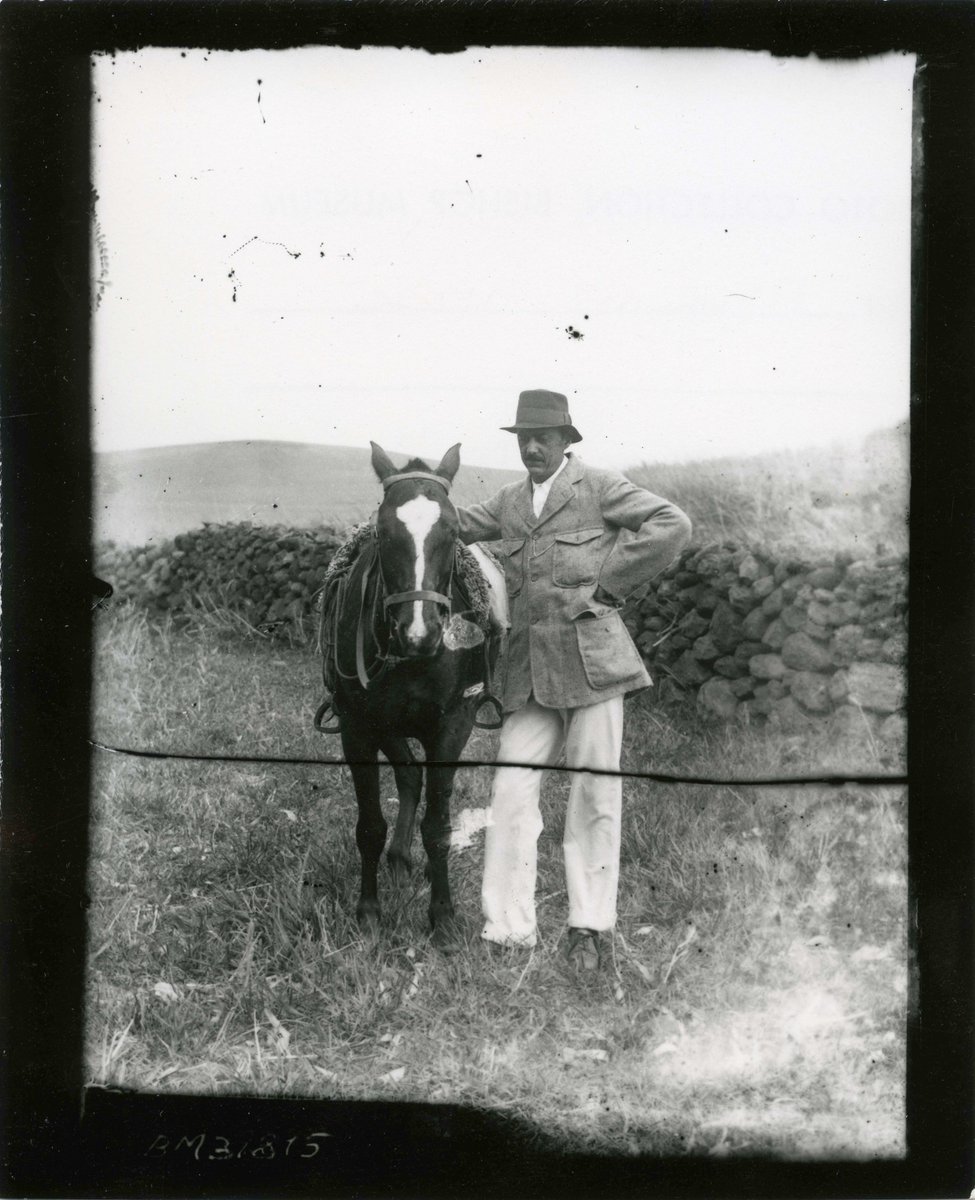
(755, 996)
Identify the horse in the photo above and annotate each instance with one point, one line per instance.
(394, 675)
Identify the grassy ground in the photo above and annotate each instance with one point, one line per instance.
(754, 997)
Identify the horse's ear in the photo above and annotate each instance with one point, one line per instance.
(382, 464)
(449, 463)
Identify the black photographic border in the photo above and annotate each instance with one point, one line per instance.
(59, 1140)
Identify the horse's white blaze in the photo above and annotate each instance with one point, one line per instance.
(419, 515)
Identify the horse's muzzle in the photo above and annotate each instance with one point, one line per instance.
(408, 650)
(413, 638)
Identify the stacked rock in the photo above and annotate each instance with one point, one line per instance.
(750, 636)
(268, 574)
(787, 641)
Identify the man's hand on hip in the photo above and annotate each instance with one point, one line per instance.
(596, 604)
(601, 596)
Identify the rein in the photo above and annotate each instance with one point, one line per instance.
(370, 559)
(399, 597)
(361, 668)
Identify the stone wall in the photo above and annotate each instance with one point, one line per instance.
(746, 635)
(270, 575)
(787, 641)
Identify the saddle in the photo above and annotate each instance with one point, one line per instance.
(469, 598)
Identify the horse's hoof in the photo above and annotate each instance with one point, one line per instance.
(447, 935)
(368, 918)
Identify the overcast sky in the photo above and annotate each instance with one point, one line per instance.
(329, 245)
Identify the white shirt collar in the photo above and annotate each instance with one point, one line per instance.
(540, 491)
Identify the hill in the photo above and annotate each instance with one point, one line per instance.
(151, 494)
(850, 496)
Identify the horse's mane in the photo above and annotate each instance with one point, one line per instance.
(416, 464)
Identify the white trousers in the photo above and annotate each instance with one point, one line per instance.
(592, 737)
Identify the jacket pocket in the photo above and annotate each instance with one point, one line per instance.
(513, 558)
(575, 559)
(608, 655)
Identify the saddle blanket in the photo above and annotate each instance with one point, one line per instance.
(494, 577)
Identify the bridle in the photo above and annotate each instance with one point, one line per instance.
(385, 660)
(419, 593)
(373, 562)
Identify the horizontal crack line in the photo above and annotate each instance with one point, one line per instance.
(830, 780)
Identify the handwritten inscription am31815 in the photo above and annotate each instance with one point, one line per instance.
(216, 1148)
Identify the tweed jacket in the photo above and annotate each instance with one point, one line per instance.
(596, 529)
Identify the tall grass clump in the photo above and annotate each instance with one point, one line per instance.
(835, 499)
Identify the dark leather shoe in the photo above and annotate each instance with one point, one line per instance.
(583, 949)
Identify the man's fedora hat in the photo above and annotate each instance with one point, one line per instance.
(539, 409)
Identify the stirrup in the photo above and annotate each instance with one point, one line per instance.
(494, 703)
(327, 710)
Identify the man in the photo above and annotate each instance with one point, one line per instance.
(575, 542)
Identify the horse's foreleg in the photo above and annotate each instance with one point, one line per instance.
(446, 747)
(435, 830)
(409, 781)
(370, 830)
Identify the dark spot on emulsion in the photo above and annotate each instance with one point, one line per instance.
(574, 333)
